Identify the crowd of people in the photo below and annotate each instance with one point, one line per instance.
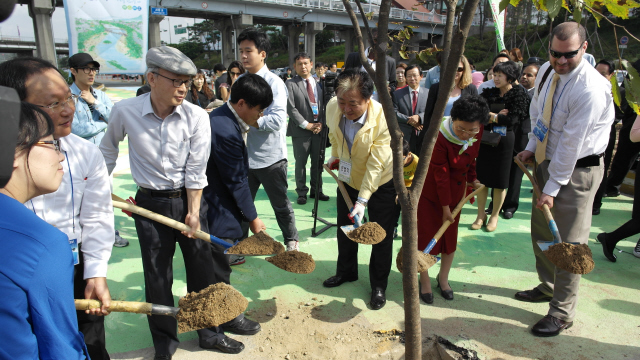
(202, 161)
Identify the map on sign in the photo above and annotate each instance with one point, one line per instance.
(112, 32)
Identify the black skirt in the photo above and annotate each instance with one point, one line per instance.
(493, 163)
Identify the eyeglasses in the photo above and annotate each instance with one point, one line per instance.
(412, 76)
(234, 73)
(177, 82)
(460, 69)
(567, 55)
(89, 70)
(59, 105)
(55, 143)
(471, 133)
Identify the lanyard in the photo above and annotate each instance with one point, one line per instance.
(73, 205)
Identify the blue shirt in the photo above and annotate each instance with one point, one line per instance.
(37, 312)
(433, 76)
(91, 125)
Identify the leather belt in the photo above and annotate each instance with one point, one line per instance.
(170, 194)
(589, 161)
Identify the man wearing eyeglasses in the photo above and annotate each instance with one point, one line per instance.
(571, 114)
(409, 104)
(81, 207)
(169, 146)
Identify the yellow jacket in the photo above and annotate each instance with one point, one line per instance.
(371, 156)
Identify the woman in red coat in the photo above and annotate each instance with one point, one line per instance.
(453, 165)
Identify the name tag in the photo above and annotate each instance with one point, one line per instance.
(502, 130)
(344, 171)
(73, 242)
(540, 131)
(314, 108)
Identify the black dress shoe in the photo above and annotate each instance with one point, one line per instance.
(226, 345)
(533, 295)
(302, 200)
(162, 357)
(427, 298)
(378, 299)
(607, 249)
(550, 326)
(446, 294)
(612, 193)
(508, 214)
(595, 211)
(242, 327)
(337, 280)
(321, 197)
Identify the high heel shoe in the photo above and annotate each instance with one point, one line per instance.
(427, 297)
(477, 225)
(446, 294)
(490, 226)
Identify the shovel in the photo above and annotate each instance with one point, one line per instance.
(347, 199)
(120, 203)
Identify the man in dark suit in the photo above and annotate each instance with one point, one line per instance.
(409, 104)
(304, 107)
(353, 62)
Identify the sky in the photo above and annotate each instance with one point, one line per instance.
(21, 25)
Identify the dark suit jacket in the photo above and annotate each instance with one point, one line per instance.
(227, 194)
(353, 61)
(431, 103)
(403, 108)
(299, 106)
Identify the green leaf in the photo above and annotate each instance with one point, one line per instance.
(424, 56)
(553, 7)
(577, 11)
(615, 89)
(503, 4)
(632, 86)
(403, 54)
(369, 15)
(514, 3)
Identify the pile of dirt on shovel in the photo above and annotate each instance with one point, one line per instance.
(294, 261)
(425, 261)
(369, 234)
(576, 259)
(258, 244)
(211, 306)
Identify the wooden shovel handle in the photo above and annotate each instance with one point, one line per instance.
(456, 210)
(343, 190)
(116, 306)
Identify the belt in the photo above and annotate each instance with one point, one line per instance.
(171, 194)
(589, 161)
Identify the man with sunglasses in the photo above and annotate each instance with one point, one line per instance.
(81, 207)
(571, 114)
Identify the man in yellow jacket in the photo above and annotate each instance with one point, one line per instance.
(360, 144)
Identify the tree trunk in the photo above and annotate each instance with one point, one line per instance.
(448, 31)
(483, 15)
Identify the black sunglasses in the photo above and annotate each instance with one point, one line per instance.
(567, 55)
(460, 69)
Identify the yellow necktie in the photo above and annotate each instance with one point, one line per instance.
(541, 147)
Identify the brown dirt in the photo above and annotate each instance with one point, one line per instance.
(258, 244)
(576, 259)
(425, 261)
(369, 234)
(294, 261)
(438, 348)
(211, 306)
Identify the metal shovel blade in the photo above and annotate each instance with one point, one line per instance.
(544, 245)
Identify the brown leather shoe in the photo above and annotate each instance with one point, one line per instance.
(550, 326)
(533, 295)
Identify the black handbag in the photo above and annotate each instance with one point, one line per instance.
(490, 138)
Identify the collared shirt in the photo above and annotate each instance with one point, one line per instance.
(315, 95)
(164, 154)
(580, 122)
(90, 125)
(267, 144)
(371, 62)
(82, 202)
(350, 128)
(433, 76)
(244, 128)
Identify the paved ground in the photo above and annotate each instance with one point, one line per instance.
(489, 268)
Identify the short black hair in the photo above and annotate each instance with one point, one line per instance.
(319, 64)
(253, 89)
(301, 55)
(334, 64)
(15, 72)
(566, 30)
(406, 149)
(35, 124)
(218, 67)
(439, 57)
(352, 79)
(509, 69)
(608, 64)
(411, 67)
(471, 108)
(532, 64)
(501, 55)
(260, 39)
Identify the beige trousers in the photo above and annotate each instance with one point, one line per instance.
(572, 213)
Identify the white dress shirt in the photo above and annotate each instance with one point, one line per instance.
(580, 122)
(88, 208)
(164, 154)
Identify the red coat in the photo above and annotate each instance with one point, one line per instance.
(445, 185)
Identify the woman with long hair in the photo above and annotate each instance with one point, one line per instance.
(200, 94)
(234, 70)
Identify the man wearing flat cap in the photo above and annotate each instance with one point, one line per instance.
(169, 146)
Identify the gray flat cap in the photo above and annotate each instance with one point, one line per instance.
(170, 59)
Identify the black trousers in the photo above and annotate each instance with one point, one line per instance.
(608, 153)
(381, 209)
(204, 263)
(305, 147)
(512, 199)
(91, 326)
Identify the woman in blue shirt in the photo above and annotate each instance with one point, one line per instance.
(37, 313)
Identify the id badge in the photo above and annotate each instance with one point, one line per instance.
(73, 242)
(344, 171)
(314, 108)
(540, 131)
(502, 130)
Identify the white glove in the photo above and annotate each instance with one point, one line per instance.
(357, 213)
(333, 163)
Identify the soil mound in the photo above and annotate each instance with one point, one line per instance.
(576, 259)
(258, 244)
(211, 306)
(368, 233)
(294, 261)
(425, 261)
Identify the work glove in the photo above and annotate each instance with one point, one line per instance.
(333, 163)
(357, 213)
(130, 200)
